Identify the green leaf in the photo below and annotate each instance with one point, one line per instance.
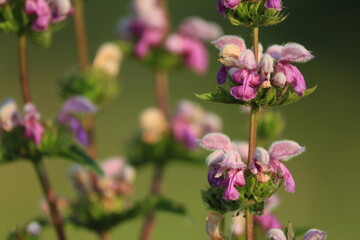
(293, 97)
(76, 154)
(42, 38)
(289, 232)
(221, 96)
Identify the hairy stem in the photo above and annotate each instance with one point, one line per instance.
(38, 165)
(24, 80)
(50, 198)
(254, 114)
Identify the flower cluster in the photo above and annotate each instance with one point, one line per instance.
(10, 118)
(46, 12)
(149, 28)
(274, 69)
(226, 168)
(188, 123)
(117, 182)
(187, 42)
(223, 5)
(312, 234)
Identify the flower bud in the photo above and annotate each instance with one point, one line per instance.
(276, 234)
(33, 228)
(229, 54)
(213, 220)
(267, 64)
(108, 59)
(274, 4)
(9, 115)
(314, 234)
(279, 79)
(153, 124)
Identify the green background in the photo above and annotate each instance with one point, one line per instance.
(327, 123)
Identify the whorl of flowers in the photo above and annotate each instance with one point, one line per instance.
(46, 12)
(248, 77)
(226, 167)
(312, 234)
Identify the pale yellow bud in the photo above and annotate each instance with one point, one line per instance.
(229, 54)
(153, 124)
(213, 220)
(108, 58)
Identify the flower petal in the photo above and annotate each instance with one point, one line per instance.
(267, 221)
(261, 156)
(314, 234)
(229, 39)
(198, 28)
(232, 160)
(275, 51)
(247, 60)
(222, 75)
(276, 234)
(33, 128)
(286, 175)
(284, 150)
(213, 220)
(216, 141)
(78, 104)
(230, 193)
(294, 52)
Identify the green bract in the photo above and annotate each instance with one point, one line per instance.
(254, 14)
(267, 97)
(95, 214)
(93, 84)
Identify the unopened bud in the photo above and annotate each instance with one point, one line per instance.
(279, 79)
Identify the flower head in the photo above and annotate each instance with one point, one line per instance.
(33, 128)
(225, 160)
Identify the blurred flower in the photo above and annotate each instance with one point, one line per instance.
(76, 105)
(269, 161)
(153, 125)
(33, 228)
(190, 122)
(9, 115)
(224, 159)
(33, 129)
(187, 42)
(108, 58)
(61, 203)
(47, 12)
(3, 2)
(213, 220)
(276, 234)
(268, 221)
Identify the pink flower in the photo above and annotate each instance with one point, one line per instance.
(269, 161)
(291, 52)
(33, 128)
(200, 29)
(312, 234)
(190, 122)
(42, 11)
(268, 221)
(224, 160)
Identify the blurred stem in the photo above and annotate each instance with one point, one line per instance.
(50, 198)
(104, 236)
(80, 33)
(38, 165)
(162, 92)
(24, 80)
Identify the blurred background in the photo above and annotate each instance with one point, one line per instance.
(327, 122)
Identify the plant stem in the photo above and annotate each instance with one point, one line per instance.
(104, 236)
(24, 80)
(255, 35)
(80, 33)
(162, 100)
(50, 198)
(39, 168)
(254, 115)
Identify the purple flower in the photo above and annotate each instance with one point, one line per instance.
(224, 160)
(149, 38)
(73, 106)
(3, 2)
(291, 52)
(274, 4)
(314, 234)
(42, 11)
(33, 128)
(231, 3)
(60, 9)
(190, 122)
